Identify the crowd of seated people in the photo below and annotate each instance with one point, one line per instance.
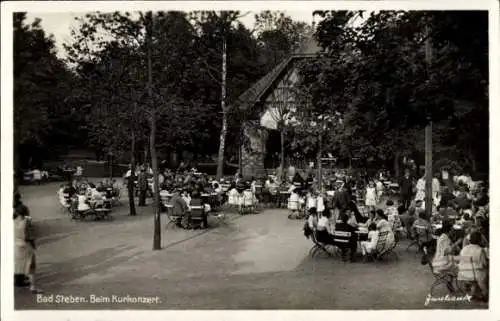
(343, 227)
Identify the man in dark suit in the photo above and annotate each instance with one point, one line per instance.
(341, 199)
(351, 241)
(406, 186)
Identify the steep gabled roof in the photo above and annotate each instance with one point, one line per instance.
(254, 94)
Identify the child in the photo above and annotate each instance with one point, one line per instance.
(371, 196)
(392, 215)
(293, 204)
(368, 246)
(311, 200)
(380, 189)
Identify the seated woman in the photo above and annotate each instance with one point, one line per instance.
(233, 195)
(383, 226)
(371, 219)
(477, 271)
(293, 204)
(247, 197)
(351, 218)
(83, 204)
(442, 262)
(422, 228)
(324, 229)
(368, 246)
(95, 196)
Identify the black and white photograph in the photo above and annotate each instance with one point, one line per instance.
(248, 158)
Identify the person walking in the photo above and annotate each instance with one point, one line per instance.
(142, 182)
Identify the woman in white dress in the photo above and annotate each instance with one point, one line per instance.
(371, 196)
(24, 246)
(420, 189)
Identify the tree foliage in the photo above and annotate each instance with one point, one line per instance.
(43, 119)
(379, 71)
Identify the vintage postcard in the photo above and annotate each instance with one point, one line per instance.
(249, 159)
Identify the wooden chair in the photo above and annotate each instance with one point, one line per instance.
(342, 240)
(440, 278)
(317, 246)
(380, 248)
(198, 216)
(422, 234)
(466, 282)
(172, 220)
(247, 203)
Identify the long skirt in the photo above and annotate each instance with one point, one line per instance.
(24, 259)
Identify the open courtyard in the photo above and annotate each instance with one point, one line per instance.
(257, 261)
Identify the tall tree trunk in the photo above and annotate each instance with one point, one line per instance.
(156, 191)
(111, 166)
(320, 152)
(145, 161)
(223, 131)
(152, 140)
(282, 155)
(240, 159)
(396, 164)
(131, 179)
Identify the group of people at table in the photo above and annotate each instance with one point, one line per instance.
(459, 225)
(86, 196)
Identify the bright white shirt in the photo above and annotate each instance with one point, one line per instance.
(248, 198)
(79, 170)
(293, 201)
(468, 271)
(37, 175)
(311, 202)
(187, 199)
(82, 203)
(233, 197)
(310, 221)
(320, 204)
(324, 224)
(129, 173)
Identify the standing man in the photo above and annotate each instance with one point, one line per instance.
(436, 190)
(406, 186)
(142, 183)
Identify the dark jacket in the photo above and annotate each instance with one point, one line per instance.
(142, 181)
(406, 185)
(344, 227)
(341, 199)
